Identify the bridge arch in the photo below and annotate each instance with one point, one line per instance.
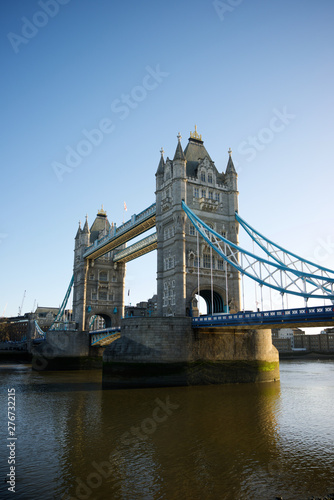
(97, 320)
(218, 302)
(207, 294)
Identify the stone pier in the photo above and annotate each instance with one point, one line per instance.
(65, 350)
(167, 351)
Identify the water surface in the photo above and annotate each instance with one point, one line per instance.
(75, 441)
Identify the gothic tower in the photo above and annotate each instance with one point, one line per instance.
(98, 287)
(186, 267)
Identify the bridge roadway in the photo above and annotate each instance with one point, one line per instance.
(137, 249)
(135, 226)
(290, 318)
(104, 336)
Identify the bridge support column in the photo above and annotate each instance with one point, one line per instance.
(154, 352)
(64, 350)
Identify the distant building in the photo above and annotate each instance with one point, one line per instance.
(13, 329)
(322, 342)
(328, 330)
(148, 308)
(283, 334)
(45, 316)
(290, 339)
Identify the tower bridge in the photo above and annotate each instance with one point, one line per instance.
(196, 222)
(101, 252)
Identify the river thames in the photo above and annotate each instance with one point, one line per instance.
(77, 441)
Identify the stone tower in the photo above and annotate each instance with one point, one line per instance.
(193, 177)
(98, 287)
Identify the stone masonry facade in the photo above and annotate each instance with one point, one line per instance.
(98, 288)
(193, 177)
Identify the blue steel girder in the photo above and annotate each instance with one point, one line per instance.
(39, 329)
(64, 303)
(104, 336)
(285, 257)
(139, 248)
(135, 226)
(266, 273)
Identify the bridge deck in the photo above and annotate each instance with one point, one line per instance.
(291, 318)
(139, 248)
(105, 336)
(137, 225)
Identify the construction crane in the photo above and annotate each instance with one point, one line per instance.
(20, 308)
(3, 313)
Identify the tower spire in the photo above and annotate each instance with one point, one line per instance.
(161, 165)
(179, 155)
(79, 231)
(230, 166)
(86, 227)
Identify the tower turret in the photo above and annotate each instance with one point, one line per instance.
(231, 175)
(85, 234)
(160, 170)
(179, 161)
(78, 237)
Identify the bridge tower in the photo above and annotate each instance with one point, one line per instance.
(186, 267)
(98, 287)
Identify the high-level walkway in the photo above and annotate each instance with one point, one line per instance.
(138, 224)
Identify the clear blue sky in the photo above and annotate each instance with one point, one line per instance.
(254, 76)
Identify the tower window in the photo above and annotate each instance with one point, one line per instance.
(210, 195)
(203, 176)
(207, 261)
(217, 197)
(196, 193)
(203, 193)
(210, 178)
(103, 276)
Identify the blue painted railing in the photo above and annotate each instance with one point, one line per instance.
(98, 335)
(281, 316)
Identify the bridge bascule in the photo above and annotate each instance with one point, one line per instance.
(196, 222)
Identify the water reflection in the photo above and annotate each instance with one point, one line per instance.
(225, 442)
